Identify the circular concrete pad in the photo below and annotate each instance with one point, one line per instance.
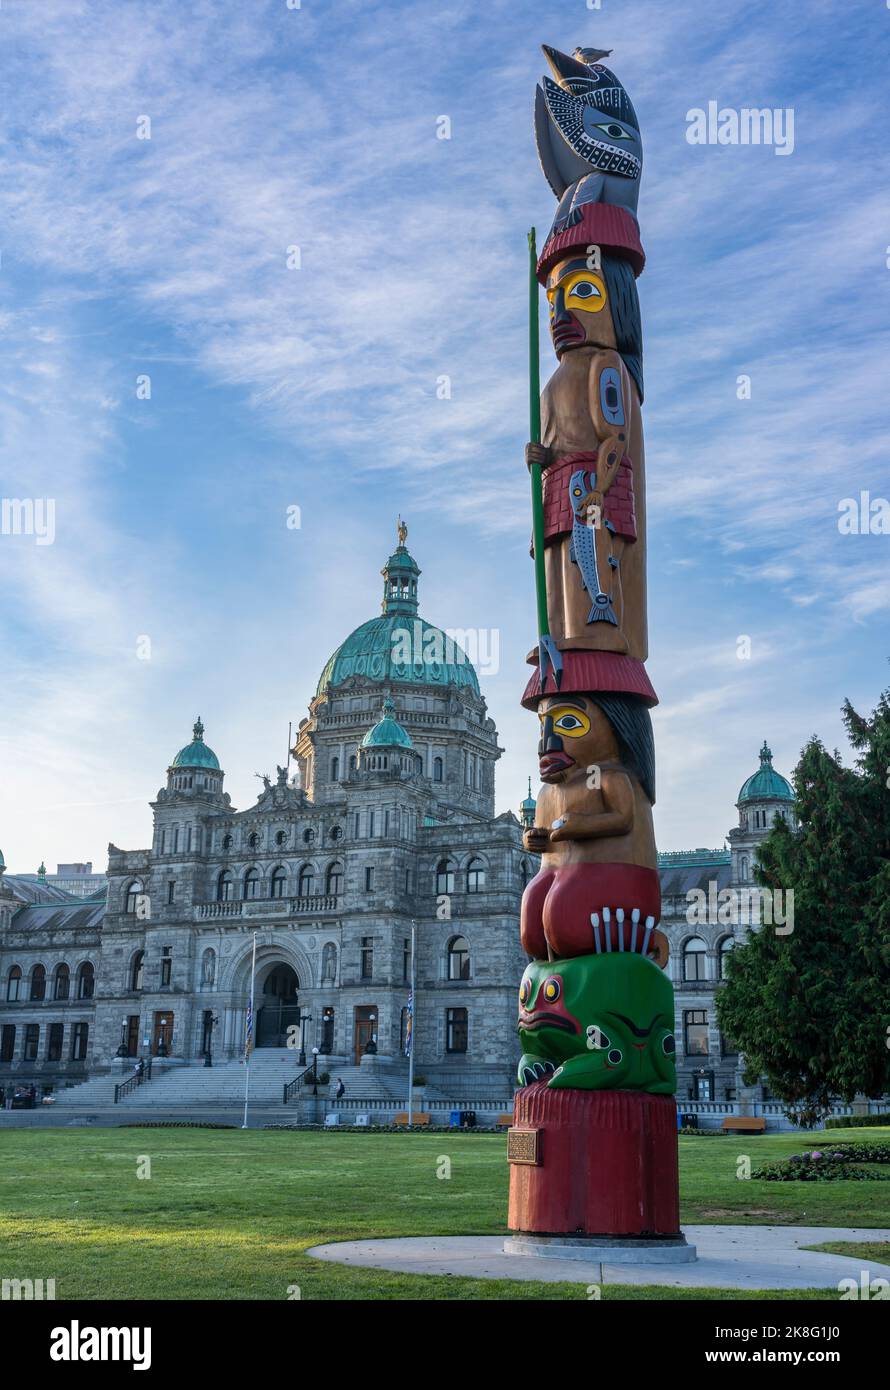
(729, 1257)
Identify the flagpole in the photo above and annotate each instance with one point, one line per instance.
(411, 1011)
(248, 1033)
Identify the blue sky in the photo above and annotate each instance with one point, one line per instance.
(316, 387)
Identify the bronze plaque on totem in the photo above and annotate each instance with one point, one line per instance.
(524, 1146)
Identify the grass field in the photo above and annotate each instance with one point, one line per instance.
(227, 1214)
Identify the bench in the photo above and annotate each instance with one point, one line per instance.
(744, 1124)
(504, 1120)
(420, 1117)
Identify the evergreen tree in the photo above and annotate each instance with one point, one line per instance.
(811, 1010)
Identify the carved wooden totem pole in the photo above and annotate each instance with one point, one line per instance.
(593, 1148)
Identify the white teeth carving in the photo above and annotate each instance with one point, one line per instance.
(605, 943)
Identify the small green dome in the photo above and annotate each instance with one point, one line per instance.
(196, 753)
(766, 784)
(387, 732)
(528, 803)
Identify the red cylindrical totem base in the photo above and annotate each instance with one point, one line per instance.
(603, 1163)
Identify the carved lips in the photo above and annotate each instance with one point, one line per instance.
(550, 765)
(567, 333)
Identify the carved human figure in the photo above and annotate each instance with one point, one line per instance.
(591, 426)
(593, 829)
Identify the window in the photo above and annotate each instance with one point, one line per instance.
(306, 885)
(327, 1031)
(54, 1042)
(225, 887)
(459, 958)
(14, 984)
(86, 980)
(455, 1030)
(251, 884)
(227, 842)
(62, 987)
(369, 878)
(726, 946)
(438, 769)
(281, 838)
(134, 893)
(335, 769)
(163, 842)
(334, 879)
(407, 880)
(171, 890)
(695, 1032)
(79, 1035)
(367, 970)
(406, 958)
(371, 825)
(38, 982)
(7, 1042)
(308, 836)
(32, 1042)
(253, 840)
(727, 1047)
(166, 965)
(137, 971)
(475, 876)
(694, 960)
(278, 883)
(444, 877)
(175, 839)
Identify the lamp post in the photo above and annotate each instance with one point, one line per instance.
(315, 1071)
(302, 1018)
(122, 1048)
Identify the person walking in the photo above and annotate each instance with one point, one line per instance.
(340, 1092)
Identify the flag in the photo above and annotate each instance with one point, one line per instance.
(409, 1023)
(248, 1033)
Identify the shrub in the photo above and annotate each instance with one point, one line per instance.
(856, 1121)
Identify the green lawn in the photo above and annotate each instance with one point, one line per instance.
(229, 1214)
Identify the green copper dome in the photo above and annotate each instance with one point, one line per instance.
(766, 784)
(400, 645)
(196, 753)
(387, 732)
(528, 803)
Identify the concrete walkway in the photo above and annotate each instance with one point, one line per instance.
(729, 1257)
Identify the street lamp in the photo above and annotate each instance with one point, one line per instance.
(303, 1018)
(208, 1058)
(123, 1050)
(315, 1071)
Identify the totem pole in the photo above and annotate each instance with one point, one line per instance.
(593, 1147)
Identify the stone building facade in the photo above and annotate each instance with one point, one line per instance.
(386, 817)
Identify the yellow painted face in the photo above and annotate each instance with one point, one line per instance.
(581, 289)
(567, 722)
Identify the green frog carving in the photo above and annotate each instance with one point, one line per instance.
(598, 1023)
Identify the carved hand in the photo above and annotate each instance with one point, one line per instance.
(536, 839)
(537, 453)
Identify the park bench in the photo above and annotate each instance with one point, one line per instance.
(418, 1118)
(504, 1120)
(744, 1124)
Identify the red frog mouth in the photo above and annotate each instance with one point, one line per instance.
(529, 1020)
(550, 765)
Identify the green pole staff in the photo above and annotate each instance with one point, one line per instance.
(547, 650)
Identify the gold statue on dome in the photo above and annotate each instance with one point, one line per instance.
(402, 530)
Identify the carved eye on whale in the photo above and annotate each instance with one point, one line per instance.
(669, 1045)
(552, 989)
(614, 131)
(525, 991)
(615, 1057)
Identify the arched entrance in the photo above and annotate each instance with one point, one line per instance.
(277, 1006)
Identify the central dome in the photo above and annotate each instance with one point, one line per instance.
(400, 646)
(766, 784)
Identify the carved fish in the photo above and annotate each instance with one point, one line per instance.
(583, 550)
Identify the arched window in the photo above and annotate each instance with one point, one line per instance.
(62, 986)
(137, 970)
(14, 984)
(251, 888)
(134, 893)
(278, 882)
(475, 876)
(225, 887)
(38, 982)
(444, 877)
(438, 769)
(334, 879)
(458, 958)
(694, 962)
(335, 769)
(227, 842)
(281, 838)
(306, 885)
(86, 980)
(726, 946)
(253, 840)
